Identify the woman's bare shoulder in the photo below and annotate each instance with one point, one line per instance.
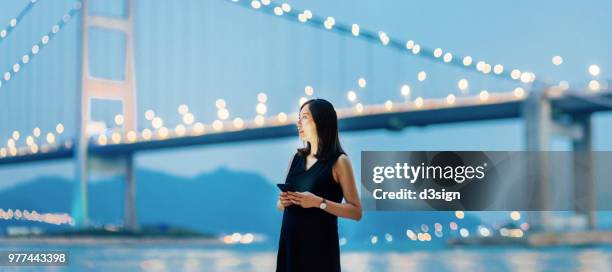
(343, 162)
(341, 165)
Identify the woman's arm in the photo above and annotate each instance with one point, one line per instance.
(351, 208)
(283, 198)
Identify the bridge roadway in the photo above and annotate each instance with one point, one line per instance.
(401, 115)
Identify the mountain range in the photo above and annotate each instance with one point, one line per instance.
(222, 201)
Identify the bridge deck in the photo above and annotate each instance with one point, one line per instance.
(497, 106)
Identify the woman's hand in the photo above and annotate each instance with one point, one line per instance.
(305, 199)
(284, 199)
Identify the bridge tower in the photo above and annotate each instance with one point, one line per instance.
(541, 122)
(92, 88)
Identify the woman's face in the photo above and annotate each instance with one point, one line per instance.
(306, 125)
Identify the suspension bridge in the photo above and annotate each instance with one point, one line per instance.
(547, 108)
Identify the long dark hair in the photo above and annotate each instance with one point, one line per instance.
(326, 120)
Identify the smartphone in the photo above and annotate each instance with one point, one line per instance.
(285, 187)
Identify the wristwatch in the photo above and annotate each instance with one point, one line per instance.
(323, 205)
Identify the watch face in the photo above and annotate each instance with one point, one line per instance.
(323, 206)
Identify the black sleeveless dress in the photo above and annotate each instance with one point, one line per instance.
(309, 236)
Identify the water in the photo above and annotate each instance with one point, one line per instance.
(176, 257)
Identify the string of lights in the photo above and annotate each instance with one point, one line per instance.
(382, 38)
(190, 127)
(44, 41)
(33, 144)
(420, 233)
(5, 32)
(34, 216)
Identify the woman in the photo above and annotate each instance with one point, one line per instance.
(321, 175)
